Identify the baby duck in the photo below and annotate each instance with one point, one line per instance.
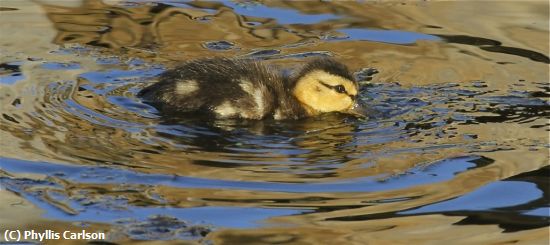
(248, 89)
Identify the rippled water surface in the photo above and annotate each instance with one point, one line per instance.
(455, 148)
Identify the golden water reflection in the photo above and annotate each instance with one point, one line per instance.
(161, 32)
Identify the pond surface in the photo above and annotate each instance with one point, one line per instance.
(455, 149)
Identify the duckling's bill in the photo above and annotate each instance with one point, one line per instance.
(359, 110)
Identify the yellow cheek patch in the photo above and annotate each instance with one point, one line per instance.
(318, 98)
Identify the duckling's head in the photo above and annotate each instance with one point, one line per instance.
(325, 85)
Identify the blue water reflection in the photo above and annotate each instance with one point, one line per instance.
(438, 172)
(61, 66)
(283, 16)
(387, 36)
(491, 196)
(10, 72)
(117, 76)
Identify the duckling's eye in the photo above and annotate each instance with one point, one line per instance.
(340, 89)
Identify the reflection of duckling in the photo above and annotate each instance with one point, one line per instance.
(228, 88)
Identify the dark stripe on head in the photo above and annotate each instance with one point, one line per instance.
(328, 65)
(337, 90)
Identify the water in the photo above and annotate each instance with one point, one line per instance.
(456, 144)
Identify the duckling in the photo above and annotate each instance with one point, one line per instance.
(248, 89)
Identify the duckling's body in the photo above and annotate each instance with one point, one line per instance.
(233, 88)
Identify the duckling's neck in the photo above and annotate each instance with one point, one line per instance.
(306, 109)
(300, 95)
(289, 106)
(309, 110)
